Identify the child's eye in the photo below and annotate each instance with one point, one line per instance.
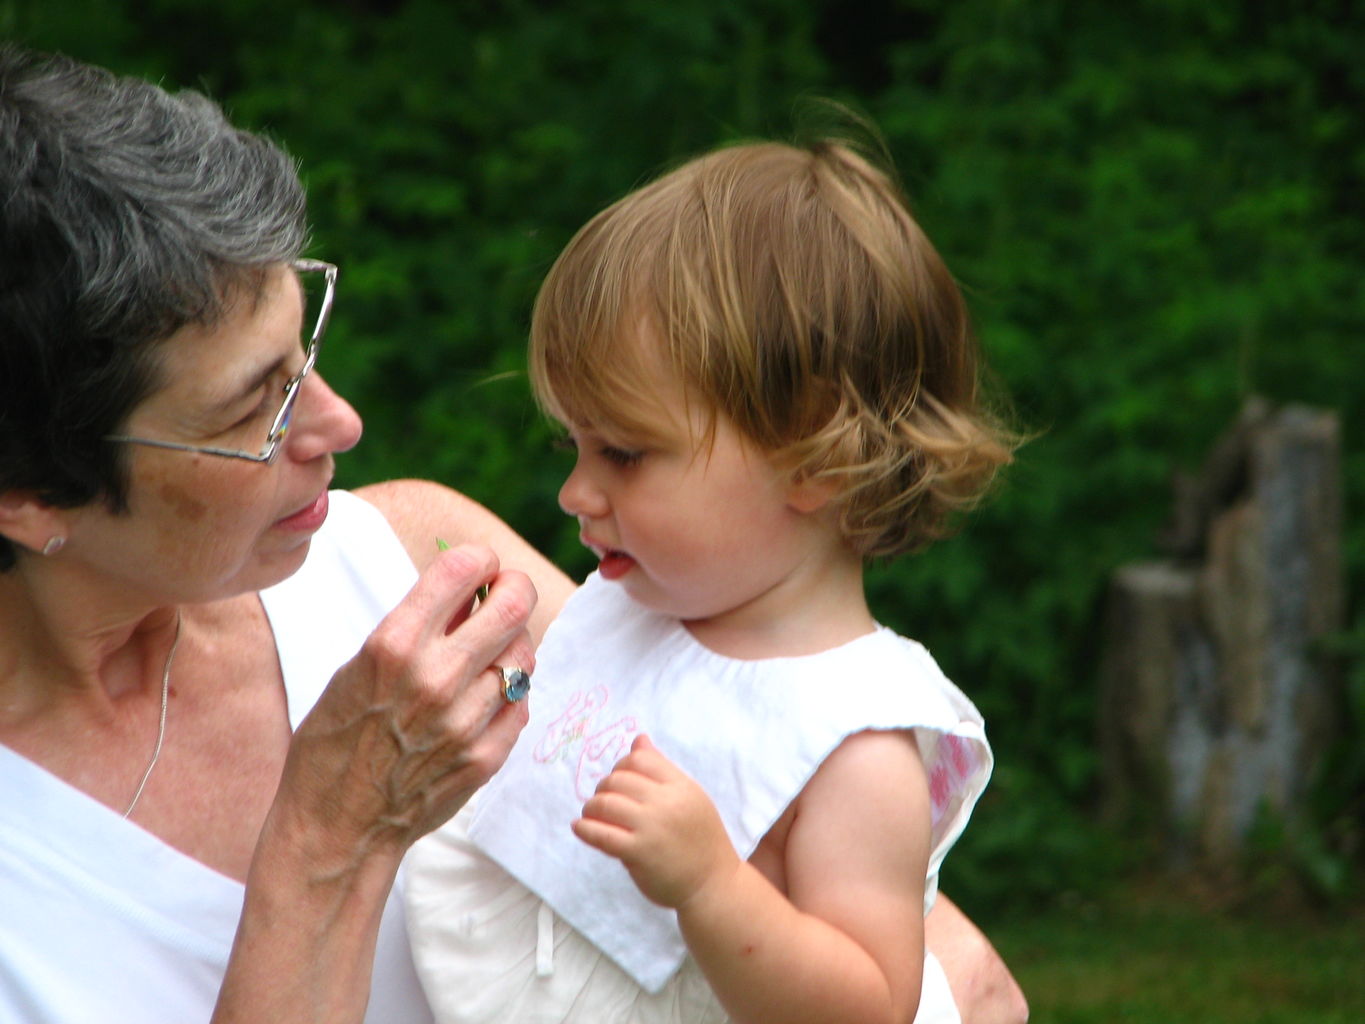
(620, 456)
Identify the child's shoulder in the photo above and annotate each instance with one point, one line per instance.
(891, 667)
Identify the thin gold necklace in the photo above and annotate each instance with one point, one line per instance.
(161, 729)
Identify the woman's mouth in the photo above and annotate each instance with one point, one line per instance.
(307, 519)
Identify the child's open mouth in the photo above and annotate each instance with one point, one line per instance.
(615, 564)
(611, 563)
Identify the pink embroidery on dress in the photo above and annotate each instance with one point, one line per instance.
(601, 751)
(940, 792)
(601, 745)
(569, 727)
(954, 763)
(962, 756)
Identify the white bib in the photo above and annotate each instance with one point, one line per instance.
(751, 733)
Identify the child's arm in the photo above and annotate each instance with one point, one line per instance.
(847, 941)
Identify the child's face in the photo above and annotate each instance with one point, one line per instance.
(695, 530)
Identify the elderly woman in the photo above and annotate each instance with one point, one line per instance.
(230, 700)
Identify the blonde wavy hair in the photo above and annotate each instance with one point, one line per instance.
(792, 291)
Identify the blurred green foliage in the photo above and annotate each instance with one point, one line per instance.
(1155, 209)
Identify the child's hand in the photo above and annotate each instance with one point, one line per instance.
(660, 824)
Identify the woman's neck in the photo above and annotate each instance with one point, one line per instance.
(54, 645)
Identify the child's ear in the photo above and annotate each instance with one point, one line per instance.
(809, 494)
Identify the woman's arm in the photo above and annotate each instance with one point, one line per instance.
(983, 988)
(402, 736)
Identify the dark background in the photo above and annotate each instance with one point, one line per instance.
(1154, 208)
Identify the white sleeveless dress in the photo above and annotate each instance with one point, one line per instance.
(516, 921)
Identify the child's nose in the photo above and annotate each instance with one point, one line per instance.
(580, 497)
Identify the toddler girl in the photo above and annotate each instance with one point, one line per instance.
(736, 788)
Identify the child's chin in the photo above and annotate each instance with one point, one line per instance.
(643, 593)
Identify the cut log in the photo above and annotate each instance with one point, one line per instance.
(1214, 703)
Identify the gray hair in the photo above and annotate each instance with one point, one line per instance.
(126, 214)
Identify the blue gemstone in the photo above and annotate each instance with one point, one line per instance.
(516, 684)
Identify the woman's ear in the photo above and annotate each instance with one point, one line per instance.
(31, 523)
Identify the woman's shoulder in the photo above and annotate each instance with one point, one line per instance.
(422, 512)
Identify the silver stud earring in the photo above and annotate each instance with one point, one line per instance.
(54, 544)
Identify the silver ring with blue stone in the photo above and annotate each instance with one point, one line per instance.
(516, 684)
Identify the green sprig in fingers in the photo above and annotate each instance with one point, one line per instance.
(482, 593)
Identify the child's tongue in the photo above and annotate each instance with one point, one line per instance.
(615, 564)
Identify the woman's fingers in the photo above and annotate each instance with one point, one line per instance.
(487, 640)
(443, 594)
(417, 721)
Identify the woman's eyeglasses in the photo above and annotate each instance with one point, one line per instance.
(280, 425)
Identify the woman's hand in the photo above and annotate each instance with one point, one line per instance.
(402, 736)
(416, 721)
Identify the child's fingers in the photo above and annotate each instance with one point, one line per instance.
(609, 839)
(626, 782)
(616, 809)
(647, 760)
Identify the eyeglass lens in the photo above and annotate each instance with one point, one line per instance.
(314, 287)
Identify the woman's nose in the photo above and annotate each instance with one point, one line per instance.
(323, 423)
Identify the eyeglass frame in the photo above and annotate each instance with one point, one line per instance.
(280, 425)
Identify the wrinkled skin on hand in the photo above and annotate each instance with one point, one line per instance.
(410, 727)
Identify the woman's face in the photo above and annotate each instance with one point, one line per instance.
(201, 526)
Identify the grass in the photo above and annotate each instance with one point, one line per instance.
(1154, 956)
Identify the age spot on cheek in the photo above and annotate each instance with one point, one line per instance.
(186, 507)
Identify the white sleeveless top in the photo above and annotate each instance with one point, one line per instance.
(515, 920)
(102, 921)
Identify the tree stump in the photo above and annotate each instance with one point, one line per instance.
(1214, 703)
